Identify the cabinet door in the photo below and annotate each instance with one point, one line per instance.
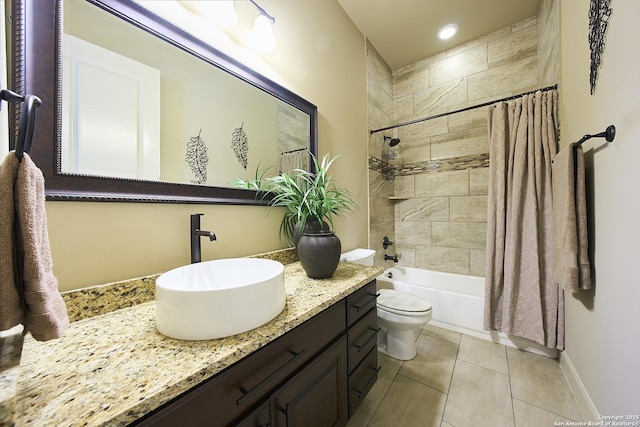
(260, 417)
(317, 396)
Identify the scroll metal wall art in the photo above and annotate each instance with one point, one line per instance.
(599, 14)
(240, 145)
(197, 158)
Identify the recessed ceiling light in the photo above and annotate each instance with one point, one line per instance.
(447, 31)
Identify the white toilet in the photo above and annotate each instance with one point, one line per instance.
(359, 256)
(400, 315)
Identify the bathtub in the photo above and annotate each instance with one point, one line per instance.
(457, 303)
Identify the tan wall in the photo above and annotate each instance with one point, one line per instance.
(603, 325)
(440, 185)
(321, 56)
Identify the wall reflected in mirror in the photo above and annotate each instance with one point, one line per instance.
(134, 106)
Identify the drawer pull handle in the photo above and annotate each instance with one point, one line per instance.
(366, 388)
(372, 298)
(246, 393)
(369, 338)
(285, 411)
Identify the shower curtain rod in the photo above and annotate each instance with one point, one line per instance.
(473, 107)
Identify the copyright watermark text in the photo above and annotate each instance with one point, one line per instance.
(605, 421)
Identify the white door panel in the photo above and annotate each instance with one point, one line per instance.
(111, 113)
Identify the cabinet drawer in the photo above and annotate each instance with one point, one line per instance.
(362, 379)
(363, 336)
(360, 302)
(227, 395)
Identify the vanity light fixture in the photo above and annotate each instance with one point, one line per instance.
(222, 13)
(447, 31)
(262, 37)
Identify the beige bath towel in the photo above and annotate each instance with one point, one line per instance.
(46, 313)
(293, 160)
(11, 310)
(571, 268)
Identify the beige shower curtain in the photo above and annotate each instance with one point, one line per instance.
(520, 296)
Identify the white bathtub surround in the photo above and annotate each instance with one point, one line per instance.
(457, 301)
(522, 299)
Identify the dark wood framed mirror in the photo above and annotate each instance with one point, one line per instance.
(37, 31)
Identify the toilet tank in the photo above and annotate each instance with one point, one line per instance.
(359, 256)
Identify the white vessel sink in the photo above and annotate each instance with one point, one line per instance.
(216, 299)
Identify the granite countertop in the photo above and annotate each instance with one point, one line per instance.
(113, 368)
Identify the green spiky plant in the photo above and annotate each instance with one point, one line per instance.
(307, 196)
(257, 184)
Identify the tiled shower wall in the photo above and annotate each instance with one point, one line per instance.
(380, 107)
(435, 207)
(548, 30)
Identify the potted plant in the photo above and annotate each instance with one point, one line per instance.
(312, 200)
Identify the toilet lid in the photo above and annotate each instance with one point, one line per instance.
(397, 301)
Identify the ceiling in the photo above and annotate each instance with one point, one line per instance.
(404, 31)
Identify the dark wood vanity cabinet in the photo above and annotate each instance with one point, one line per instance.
(362, 338)
(315, 375)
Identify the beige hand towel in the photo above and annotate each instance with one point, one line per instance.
(46, 313)
(11, 310)
(571, 268)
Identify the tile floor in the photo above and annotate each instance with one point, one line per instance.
(457, 380)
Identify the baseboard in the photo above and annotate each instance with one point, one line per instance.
(501, 338)
(583, 400)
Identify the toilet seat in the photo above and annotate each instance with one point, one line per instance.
(402, 303)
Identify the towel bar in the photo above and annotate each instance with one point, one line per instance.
(609, 134)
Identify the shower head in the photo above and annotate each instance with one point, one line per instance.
(391, 141)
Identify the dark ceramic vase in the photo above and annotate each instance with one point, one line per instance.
(319, 253)
(309, 227)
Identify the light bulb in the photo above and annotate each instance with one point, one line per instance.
(262, 37)
(447, 31)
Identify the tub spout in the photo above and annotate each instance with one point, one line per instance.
(393, 258)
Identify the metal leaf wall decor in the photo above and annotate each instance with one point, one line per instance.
(197, 158)
(240, 145)
(599, 14)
